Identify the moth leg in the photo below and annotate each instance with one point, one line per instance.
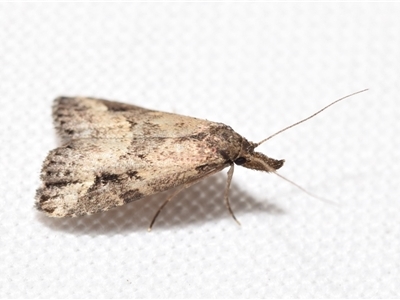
(230, 173)
(168, 200)
(226, 194)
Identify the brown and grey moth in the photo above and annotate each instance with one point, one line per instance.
(114, 153)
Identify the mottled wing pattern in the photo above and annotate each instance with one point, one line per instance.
(115, 153)
(79, 117)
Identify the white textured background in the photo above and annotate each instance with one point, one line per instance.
(257, 67)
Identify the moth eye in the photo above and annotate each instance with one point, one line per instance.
(240, 161)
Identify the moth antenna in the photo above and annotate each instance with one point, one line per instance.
(272, 170)
(313, 115)
(304, 190)
(226, 193)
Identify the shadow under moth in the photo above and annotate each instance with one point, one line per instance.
(114, 153)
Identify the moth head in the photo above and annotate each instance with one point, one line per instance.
(250, 159)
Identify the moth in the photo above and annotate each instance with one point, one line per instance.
(114, 153)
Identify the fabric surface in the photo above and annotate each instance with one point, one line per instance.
(257, 67)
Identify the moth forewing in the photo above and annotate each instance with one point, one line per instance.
(90, 175)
